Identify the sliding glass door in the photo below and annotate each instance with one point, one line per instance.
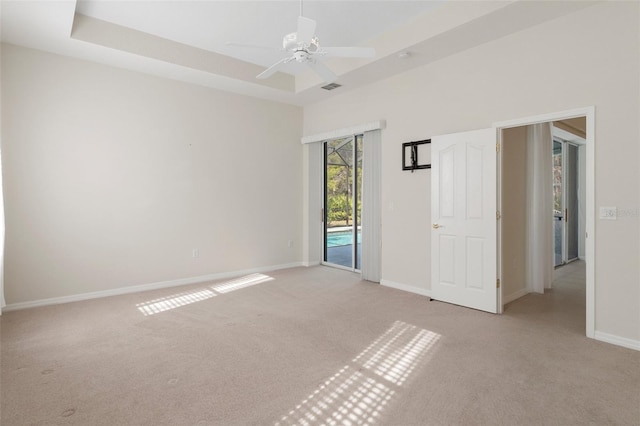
(571, 202)
(558, 205)
(565, 199)
(342, 201)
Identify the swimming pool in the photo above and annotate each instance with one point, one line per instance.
(342, 238)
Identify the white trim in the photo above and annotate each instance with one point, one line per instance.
(309, 264)
(347, 131)
(515, 295)
(338, 266)
(590, 248)
(617, 340)
(144, 287)
(543, 118)
(406, 287)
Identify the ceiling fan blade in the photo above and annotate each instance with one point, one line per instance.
(347, 52)
(323, 71)
(306, 29)
(273, 68)
(252, 46)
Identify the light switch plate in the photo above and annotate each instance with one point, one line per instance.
(608, 213)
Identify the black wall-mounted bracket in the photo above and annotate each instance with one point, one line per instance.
(410, 155)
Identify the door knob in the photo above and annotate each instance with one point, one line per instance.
(436, 226)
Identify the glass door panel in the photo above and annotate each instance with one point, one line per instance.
(358, 197)
(565, 202)
(338, 209)
(571, 201)
(558, 205)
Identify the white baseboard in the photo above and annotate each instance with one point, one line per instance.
(515, 295)
(406, 287)
(308, 264)
(144, 287)
(617, 340)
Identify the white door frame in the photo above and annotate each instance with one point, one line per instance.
(590, 240)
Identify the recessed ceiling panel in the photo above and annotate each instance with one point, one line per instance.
(211, 24)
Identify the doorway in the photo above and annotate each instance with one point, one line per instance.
(513, 289)
(342, 202)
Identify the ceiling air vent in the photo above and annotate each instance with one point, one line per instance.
(331, 86)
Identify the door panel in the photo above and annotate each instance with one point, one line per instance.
(447, 189)
(474, 182)
(463, 197)
(447, 264)
(475, 262)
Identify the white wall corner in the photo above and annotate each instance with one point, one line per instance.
(515, 295)
(406, 287)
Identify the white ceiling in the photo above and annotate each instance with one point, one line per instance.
(185, 40)
(210, 25)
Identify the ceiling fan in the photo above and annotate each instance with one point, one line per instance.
(304, 47)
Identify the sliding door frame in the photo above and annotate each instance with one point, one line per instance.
(356, 193)
(565, 179)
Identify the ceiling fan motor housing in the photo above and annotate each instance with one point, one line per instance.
(301, 55)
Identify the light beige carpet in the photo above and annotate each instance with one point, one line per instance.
(313, 346)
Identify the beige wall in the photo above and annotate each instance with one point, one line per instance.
(525, 74)
(112, 178)
(514, 212)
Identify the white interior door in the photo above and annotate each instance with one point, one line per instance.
(463, 214)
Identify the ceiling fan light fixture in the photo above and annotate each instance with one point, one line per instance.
(314, 45)
(290, 41)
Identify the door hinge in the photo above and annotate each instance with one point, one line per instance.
(498, 283)
(498, 216)
(497, 147)
(322, 215)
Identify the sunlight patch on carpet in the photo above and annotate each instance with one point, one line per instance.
(396, 353)
(174, 301)
(238, 283)
(347, 398)
(358, 393)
